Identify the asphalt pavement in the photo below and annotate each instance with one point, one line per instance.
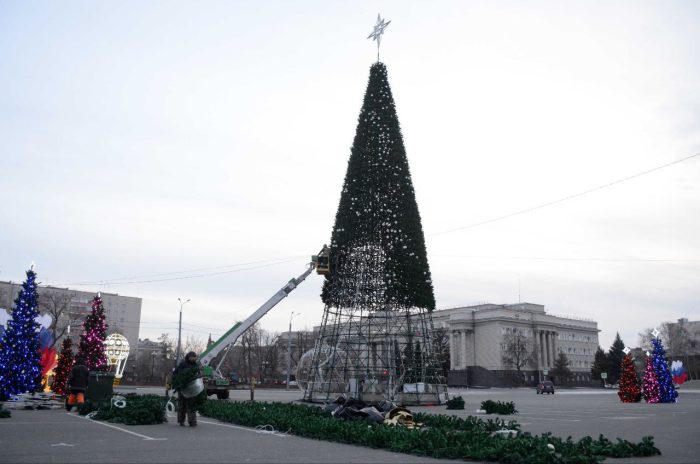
(59, 437)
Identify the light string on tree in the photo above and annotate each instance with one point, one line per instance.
(20, 360)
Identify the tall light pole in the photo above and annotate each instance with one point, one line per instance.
(179, 331)
(289, 348)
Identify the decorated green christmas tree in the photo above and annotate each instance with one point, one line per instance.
(376, 335)
(63, 367)
(378, 231)
(629, 391)
(92, 348)
(20, 366)
(650, 386)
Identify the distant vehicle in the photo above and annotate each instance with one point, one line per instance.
(545, 387)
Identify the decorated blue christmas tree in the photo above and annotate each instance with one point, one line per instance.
(20, 369)
(667, 391)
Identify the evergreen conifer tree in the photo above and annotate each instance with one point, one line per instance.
(378, 254)
(615, 356)
(91, 347)
(63, 367)
(650, 385)
(561, 368)
(667, 392)
(600, 364)
(20, 366)
(629, 391)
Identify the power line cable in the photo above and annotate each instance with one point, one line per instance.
(185, 271)
(539, 258)
(102, 282)
(570, 197)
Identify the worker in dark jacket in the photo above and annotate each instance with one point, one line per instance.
(185, 406)
(77, 384)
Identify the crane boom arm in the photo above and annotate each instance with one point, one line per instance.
(237, 330)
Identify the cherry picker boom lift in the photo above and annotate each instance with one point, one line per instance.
(214, 381)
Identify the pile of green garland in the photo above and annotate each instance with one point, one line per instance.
(456, 402)
(139, 410)
(184, 377)
(4, 413)
(497, 407)
(446, 437)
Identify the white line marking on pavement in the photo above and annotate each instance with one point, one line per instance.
(236, 427)
(145, 437)
(553, 419)
(62, 444)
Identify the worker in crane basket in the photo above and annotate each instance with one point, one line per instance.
(186, 404)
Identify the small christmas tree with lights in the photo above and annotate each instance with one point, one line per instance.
(667, 392)
(650, 386)
(629, 391)
(20, 366)
(92, 348)
(63, 367)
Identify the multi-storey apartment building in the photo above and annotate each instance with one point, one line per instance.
(122, 313)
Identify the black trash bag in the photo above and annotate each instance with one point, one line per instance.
(353, 403)
(385, 406)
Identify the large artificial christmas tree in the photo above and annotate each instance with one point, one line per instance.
(667, 392)
(629, 391)
(63, 367)
(650, 386)
(92, 348)
(20, 366)
(376, 333)
(378, 236)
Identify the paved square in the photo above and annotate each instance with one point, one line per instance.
(60, 437)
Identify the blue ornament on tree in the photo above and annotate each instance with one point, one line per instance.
(667, 392)
(20, 359)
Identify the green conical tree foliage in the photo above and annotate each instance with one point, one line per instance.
(378, 255)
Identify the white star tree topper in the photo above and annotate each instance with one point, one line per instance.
(378, 31)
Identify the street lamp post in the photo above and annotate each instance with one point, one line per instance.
(153, 362)
(289, 348)
(179, 331)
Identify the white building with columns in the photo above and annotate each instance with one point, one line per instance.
(477, 334)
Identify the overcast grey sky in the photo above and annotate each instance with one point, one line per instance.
(140, 139)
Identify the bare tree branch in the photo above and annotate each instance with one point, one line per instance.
(57, 305)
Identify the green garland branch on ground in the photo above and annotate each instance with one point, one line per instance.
(455, 403)
(4, 413)
(445, 437)
(498, 407)
(138, 410)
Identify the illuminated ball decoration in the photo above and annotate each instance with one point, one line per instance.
(117, 350)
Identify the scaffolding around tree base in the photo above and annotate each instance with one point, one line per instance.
(373, 356)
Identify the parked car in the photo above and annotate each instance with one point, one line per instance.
(545, 387)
